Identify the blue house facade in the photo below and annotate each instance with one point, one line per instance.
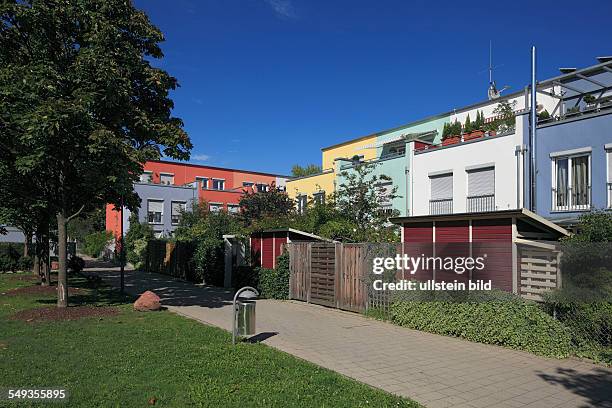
(574, 166)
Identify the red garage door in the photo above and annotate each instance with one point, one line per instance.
(452, 240)
(418, 241)
(493, 239)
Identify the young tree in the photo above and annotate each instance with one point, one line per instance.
(272, 203)
(361, 199)
(299, 171)
(82, 107)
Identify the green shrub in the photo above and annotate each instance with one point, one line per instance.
(10, 254)
(96, 242)
(136, 239)
(25, 263)
(274, 283)
(492, 319)
(245, 275)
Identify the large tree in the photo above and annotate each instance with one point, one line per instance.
(81, 105)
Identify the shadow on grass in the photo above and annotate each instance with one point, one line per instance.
(596, 386)
(171, 291)
(99, 293)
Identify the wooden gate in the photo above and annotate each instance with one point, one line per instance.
(328, 274)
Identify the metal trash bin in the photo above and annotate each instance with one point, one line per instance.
(246, 318)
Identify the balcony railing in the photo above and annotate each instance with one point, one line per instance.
(571, 198)
(441, 206)
(481, 203)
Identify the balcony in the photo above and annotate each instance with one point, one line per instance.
(441, 206)
(572, 198)
(481, 203)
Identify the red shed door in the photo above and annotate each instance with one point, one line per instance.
(418, 242)
(492, 240)
(267, 256)
(452, 242)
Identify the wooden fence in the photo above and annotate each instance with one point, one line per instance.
(538, 270)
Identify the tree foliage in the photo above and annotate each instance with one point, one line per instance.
(81, 105)
(308, 170)
(274, 203)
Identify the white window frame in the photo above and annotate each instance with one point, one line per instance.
(172, 211)
(149, 178)
(570, 205)
(233, 208)
(217, 180)
(262, 187)
(219, 205)
(203, 182)
(319, 197)
(302, 203)
(166, 174)
(161, 214)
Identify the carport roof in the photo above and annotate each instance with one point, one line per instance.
(522, 213)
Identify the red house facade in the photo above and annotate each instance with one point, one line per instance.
(220, 188)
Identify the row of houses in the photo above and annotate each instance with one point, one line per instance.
(492, 170)
(167, 189)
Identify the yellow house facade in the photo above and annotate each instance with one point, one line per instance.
(306, 189)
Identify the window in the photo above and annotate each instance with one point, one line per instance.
(166, 178)
(319, 198)
(215, 207)
(394, 149)
(203, 182)
(481, 190)
(571, 183)
(247, 184)
(233, 208)
(178, 208)
(262, 188)
(302, 201)
(155, 211)
(441, 201)
(146, 177)
(218, 184)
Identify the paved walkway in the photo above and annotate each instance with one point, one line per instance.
(434, 370)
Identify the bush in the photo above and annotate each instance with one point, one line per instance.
(96, 242)
(25, 263)
(510, 322)
(136, 239)
(245, 275)
(10, 254)
(274, 283)
(76, 264)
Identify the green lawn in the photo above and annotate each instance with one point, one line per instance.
(125, 360)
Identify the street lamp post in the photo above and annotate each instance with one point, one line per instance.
(248, 293)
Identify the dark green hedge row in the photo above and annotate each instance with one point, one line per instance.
(12, 259)
(271, 283)
(516, 323)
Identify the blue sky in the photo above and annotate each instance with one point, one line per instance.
(266, 83)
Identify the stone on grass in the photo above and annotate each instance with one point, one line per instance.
(147, 302)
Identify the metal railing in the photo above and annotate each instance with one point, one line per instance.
(571, 198)
(441, 206)
(480, 203)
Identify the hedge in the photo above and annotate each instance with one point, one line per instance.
(12, 259)
(274, 283)
(510, 323)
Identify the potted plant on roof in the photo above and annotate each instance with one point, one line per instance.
(573, 111)
(591, 102)
(475, 128)
(544, 116)
(451, 134)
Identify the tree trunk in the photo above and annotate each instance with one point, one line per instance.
(26, 246)
(36, 268)
(62, 276)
